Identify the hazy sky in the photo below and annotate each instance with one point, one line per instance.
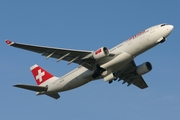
(88, 25)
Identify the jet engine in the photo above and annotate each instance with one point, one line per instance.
(144, 68)
(100, 53)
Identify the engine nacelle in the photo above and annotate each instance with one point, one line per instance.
(100, 53)
(144, 68)
(109, 77)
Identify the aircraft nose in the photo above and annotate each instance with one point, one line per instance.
(169, 29)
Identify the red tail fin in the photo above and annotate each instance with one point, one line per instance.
(40, 75)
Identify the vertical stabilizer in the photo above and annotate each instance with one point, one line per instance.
(41, 76)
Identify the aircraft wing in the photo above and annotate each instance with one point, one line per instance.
(127, 74)
(80, 57)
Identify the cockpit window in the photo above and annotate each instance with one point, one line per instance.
(163, 25)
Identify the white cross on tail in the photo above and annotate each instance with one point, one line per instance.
(40, 75)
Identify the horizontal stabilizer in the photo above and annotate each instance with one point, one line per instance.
(32, 87)
(54, 95)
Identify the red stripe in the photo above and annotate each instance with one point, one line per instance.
(98, 51)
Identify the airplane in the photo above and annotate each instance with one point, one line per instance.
(108, 64)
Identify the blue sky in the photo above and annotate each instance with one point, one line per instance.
(88, 25)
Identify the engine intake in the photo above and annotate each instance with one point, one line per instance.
(101, 53)
(144, 68)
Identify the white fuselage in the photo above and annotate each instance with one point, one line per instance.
(124, 53)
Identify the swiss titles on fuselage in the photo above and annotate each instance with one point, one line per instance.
(137, 35)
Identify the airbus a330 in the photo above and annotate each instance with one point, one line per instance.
(108, 64)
